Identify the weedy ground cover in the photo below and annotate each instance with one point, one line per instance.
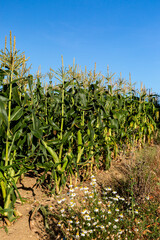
(94, 212)
(107, 217)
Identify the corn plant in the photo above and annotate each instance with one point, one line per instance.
(11, 133)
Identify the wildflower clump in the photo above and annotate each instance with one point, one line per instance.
(92, 215)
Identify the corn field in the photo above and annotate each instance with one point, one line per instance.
(68, 129)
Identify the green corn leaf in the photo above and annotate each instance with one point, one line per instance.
(114, 123)
(54, 126)
(64, 165)
(17, 114)
(16, 95)
(66, 137)
(91, 130)
(51, 151)
(30, 81)
(15, 187)
(46, 165)
(79, 140)
(3, 99)
(84, 163)
(3, 113)
(38, 133)
(19, 125)
(54, 142)
(84, 108)
(63, 168)
(67, 84)
(14, 138)
(80, 155)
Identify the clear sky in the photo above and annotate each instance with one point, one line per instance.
(124, 34)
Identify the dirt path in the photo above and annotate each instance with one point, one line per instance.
(21, 229)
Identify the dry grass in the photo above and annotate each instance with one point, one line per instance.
(142, 168)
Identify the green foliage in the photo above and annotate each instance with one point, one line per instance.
(67, 129)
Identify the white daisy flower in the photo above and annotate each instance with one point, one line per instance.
(62, 210)
(96, 210)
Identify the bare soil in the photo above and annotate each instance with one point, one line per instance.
(30, 227)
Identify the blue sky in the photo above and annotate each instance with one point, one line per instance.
(122, 34)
